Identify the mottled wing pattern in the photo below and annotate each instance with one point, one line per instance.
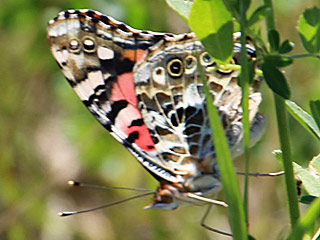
(171, 99)
(96, 55)
(145, 88)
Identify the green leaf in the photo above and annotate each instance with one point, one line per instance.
(226, 167)
(278, 155)
(314, 165)
(303, 118)
(258, 15)
(277, 60)
(308, 199)
(234, 7)
(213, 25)
(315, 110)
(286, 47)
(306, 222)
(274, 78)
(274, 40)
(251, 238)
(310, 182)
(182, 7)
(309, 29)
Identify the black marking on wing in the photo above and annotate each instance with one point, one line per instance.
(91, 28)
(132, 137)
(180, 113)
(136, 122)
(93, 68)
(116, 107)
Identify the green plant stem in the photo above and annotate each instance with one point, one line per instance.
(303, 55)
(245, 79)
(284, 139)
(228, 176)
(233, 67)
(270, 15)
(283, 130)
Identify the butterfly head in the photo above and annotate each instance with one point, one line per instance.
(164, 198)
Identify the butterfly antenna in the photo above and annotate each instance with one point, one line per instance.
(85, 185)
(64, 214)
(275, 174)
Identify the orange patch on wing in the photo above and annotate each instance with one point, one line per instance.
(134, 55)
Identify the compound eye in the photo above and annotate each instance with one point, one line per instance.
(175, 68)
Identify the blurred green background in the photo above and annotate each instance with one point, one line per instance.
(48, 137)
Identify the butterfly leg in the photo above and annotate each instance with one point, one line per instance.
(207, 200)
(210, 228)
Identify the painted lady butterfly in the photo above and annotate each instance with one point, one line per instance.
(145, 89)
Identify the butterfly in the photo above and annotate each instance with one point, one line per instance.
(145, 88)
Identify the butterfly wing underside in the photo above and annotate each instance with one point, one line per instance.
(145, 88)
(171, 99)
(96, 55)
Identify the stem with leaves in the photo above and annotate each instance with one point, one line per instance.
(244, 82)
(284, 139)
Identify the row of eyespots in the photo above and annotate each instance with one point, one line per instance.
(177, 67)
(89, 46)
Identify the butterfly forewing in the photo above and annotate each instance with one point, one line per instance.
(146, 89)
(97, 55)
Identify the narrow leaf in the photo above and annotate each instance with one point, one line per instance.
(228, 176)
(277, 60)
(212, 23)
(303, 118)
(306, 222)
(286, 47)
(274, 40)
(315, 110)
(278, 155)
(258, 15)
(275, 80)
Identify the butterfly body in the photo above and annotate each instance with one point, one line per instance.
(145, 88)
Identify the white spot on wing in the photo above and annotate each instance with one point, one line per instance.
(95, 79)
(105, 53)
(191, 96)
(84, 90)
(159, 76)
(58, 55)
(65, 54)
